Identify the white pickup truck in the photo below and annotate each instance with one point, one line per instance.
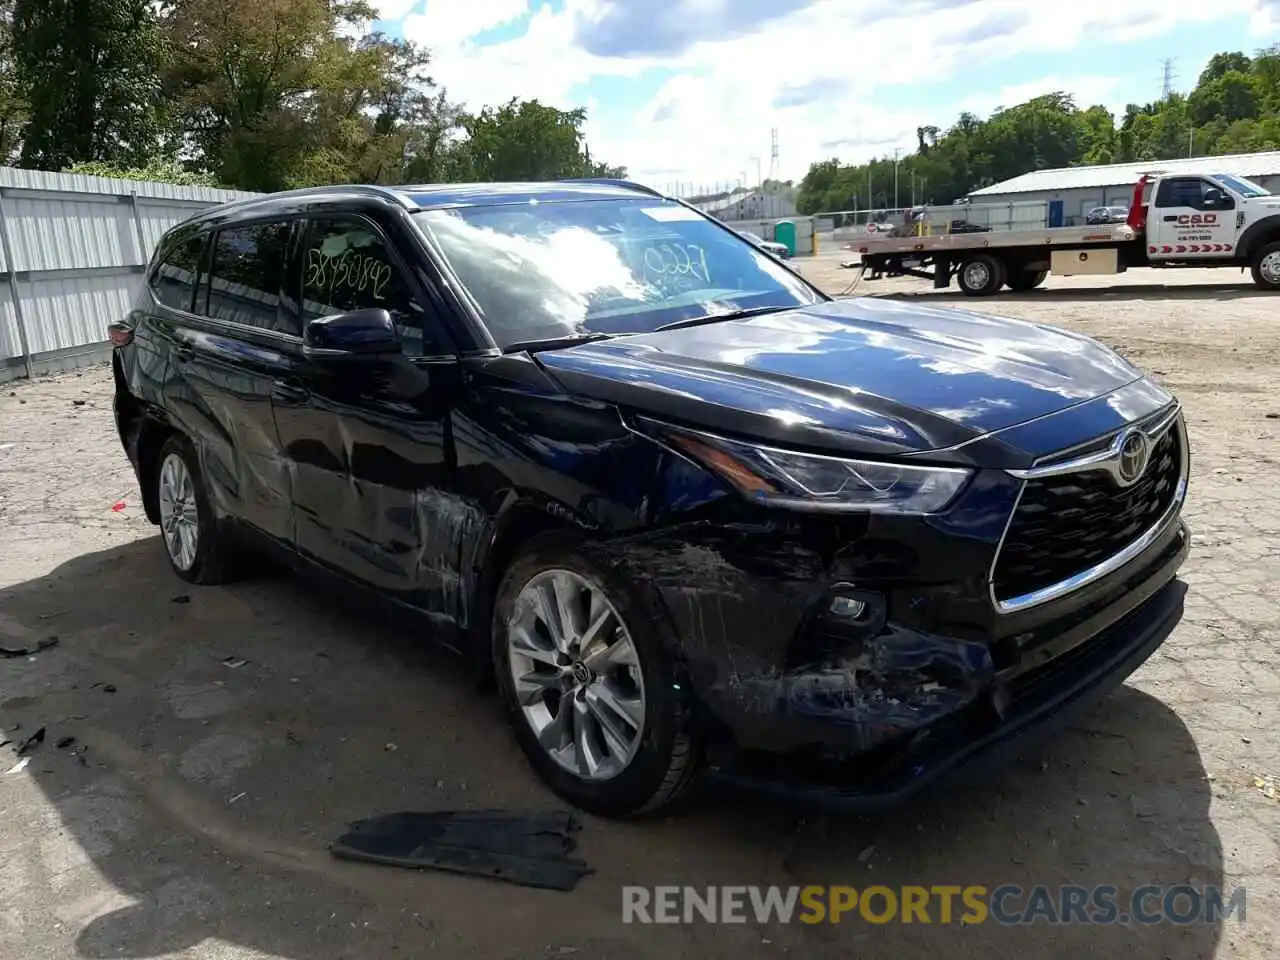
(1175, 220)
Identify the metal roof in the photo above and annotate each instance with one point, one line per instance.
(1123, 174)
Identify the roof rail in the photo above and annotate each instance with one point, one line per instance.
(370, 189)
(616, 182)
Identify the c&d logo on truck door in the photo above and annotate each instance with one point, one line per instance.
(1198, 219)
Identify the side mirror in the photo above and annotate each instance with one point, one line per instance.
(364, 333)
(1213, 197)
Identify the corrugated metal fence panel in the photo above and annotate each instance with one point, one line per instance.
(10, 341)
(64, 231)
(72, 311)
(77, 183)
(157, 216)
(79, 244)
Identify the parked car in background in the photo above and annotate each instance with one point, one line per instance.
(1107, 215)
(779, 250)
(687, 511)
(965, 226)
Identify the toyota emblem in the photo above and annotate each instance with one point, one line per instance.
(1133, 457)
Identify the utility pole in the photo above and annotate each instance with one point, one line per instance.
(896, 151)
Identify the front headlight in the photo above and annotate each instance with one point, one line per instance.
(806, 481)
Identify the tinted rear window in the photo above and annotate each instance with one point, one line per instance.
(174, 279)
(246, 274)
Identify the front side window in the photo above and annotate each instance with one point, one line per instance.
(347, 265)
(547, 270)
(1184, 192)
(1246, 188)
(174, 278)
(245, 276)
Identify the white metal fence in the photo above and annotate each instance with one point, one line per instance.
(932, 220)
(72, 253)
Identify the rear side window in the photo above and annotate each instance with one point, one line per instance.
(174, 279)
(347, 265)
(245, 276)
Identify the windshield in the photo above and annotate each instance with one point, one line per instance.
(1246, 188)
(544, 271)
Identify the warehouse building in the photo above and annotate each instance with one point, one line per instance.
(1071, 192)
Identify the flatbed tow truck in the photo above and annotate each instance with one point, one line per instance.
(1203, 220)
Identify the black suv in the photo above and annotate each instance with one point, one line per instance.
(687, 511)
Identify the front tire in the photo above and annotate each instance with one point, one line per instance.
(197, 547)
(1266, 266)
(588, 683)
(981, 275)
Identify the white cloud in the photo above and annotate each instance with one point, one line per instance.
(817, 73)
(444, 23)
(395, 9)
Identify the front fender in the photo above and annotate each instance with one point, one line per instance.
(1258, 233)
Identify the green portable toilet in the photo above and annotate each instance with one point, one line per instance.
(784, 231)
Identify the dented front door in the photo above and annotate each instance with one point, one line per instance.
(367, 438)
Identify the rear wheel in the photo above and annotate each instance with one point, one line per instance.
(981, 275)
(1023, 280)
(1266, 266)
(198, 549)
(588, 684)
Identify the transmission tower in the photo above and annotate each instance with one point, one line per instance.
(1166, 89)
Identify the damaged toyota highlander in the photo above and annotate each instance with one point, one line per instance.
(688, 514)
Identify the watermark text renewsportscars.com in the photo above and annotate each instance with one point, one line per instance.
(1007, 904)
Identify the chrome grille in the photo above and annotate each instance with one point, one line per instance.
(1071, 522)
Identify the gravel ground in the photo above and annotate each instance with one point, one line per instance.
(190, 816)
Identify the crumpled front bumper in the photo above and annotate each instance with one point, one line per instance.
(1015, 712)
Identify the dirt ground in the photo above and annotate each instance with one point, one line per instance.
(190, 817)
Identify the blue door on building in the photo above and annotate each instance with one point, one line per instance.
(1055, 213)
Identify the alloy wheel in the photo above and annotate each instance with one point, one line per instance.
(179, 516)
(576, 674)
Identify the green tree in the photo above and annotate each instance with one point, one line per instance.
(528, 141)
(262, 87)
(88, 72)
(13, 103)
(156, 171)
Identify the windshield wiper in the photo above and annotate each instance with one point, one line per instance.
(554, 343)
(717, 317)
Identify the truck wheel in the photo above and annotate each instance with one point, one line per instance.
(1266, 266)
(981, 275)
(583, 667)
(1023, 280)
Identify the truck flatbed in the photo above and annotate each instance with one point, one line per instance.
(1107, 233)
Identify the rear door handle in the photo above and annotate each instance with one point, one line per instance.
(290, 391)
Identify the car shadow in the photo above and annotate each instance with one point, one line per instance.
(224, 736)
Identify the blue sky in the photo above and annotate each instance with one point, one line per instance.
(686, 91)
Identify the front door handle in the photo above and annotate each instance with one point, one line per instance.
(184, 352)
(290, 391)
(1172, 218)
